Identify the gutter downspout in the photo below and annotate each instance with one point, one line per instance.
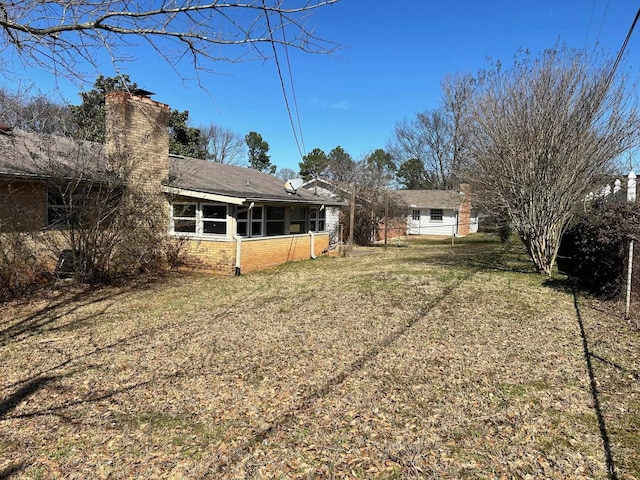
(312, 242)
(238, 252)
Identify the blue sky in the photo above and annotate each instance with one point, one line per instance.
(393, 56)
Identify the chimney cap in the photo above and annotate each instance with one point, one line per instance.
(142, 92)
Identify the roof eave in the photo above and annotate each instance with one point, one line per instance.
(214, 197)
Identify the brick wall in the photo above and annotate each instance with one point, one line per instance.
(256, 253)
(23, 205)
(137, 144)
(137, 138)
(209, 256)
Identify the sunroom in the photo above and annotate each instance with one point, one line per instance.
(210, 221)
(239, 219)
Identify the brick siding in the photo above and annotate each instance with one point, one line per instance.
(256, 253)
(23, 205)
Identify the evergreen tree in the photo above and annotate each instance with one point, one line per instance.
(89, 117)
(258, 153)
(313, 164)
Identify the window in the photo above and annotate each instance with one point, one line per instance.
(56, 210)
(256, 221)
(415, 214)
(242, 217)
(200, 218)
(298, 223)
(436, 214)
(214, 219)
(275, 221)
(243, 222)
(317, 220)
(184, 217)
(61, 211)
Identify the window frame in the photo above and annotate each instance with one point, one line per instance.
(415, 214)
(251, 221)
(66, 210)
(436, 215)
(200, 219)
(302, 221)
(269, 223)
(317, 219)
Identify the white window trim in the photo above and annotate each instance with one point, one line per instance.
(250, 221)
(316, 215)
(200, 220)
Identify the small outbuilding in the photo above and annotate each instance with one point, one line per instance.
(438, 212)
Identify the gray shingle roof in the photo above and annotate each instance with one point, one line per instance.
(230, 180)
(446, 199)
(27, 154)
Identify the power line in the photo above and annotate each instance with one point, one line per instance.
(282, 84)
(622, 49)
(293, 90)
(604, 15)
(586, 37)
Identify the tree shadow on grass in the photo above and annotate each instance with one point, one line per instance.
(507, 257)
(595, 395)
(25, 391)
(12, 469)
(307, 402)
(66, 304)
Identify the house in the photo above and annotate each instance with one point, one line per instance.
(438, 212)
(325, 189)
(228, 219)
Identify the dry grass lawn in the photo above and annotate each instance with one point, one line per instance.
(429, 361)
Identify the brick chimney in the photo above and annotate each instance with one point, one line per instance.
(464, 213)
(137, 137)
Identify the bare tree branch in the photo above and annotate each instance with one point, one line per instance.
(61, 34)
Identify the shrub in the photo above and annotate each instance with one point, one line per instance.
(594, 247)
(20, 268)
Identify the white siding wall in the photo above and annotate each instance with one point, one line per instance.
(473, 228)
(332, 219)
(427, 226)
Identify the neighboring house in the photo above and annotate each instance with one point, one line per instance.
(232, 219)
(325, 189)
(438, 212)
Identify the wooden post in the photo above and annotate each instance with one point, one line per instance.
(631, 197)
(352, 214)
(627, 309)
(386, 217)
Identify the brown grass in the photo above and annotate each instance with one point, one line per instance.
(429, 361)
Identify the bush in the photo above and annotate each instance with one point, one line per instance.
(20, 269)
(594, 248)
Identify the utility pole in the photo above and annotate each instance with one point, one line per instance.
(386, 217)
(352, 215)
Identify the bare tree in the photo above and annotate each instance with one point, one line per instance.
(457, 91)
(429, 139)
(541, 135)
(286, 174)
(222, 145)
(59, 35)
(100, 223)
(34, 112)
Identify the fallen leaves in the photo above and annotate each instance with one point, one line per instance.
(392, 365)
